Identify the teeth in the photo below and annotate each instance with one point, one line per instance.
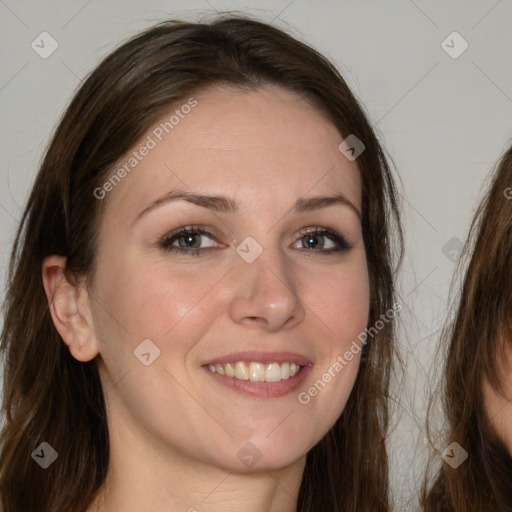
(241, 371)
(257, 372)
(273, 372)
(230, 370)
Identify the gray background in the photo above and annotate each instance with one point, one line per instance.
(444, 121)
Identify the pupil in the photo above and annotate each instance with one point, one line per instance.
(312, 241)
(189, 240)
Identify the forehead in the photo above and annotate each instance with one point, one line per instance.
(266, 144)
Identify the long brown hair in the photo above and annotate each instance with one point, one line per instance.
(474, 345)
(48, 395)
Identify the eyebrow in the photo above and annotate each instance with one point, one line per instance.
(223, 204)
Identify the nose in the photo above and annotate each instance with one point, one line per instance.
(265, 294)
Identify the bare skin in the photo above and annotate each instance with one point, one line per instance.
(498, 403)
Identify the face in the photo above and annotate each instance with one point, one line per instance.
(220, 274)
(498, 404)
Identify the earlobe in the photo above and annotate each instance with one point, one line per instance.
(69, 308)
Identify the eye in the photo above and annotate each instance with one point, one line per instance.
(322, 240)
(188, 240)
(194, 240)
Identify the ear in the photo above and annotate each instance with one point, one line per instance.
(70, 309)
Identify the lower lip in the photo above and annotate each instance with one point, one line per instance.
(263, 389)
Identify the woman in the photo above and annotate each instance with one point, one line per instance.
(214, 221)
(477, 471)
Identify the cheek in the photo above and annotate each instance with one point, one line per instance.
(152, 300)
(499, 411)
(339, 306)
(340, 302)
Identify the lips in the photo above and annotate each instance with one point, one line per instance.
(260, 374)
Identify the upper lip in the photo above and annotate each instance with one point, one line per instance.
(261, 357)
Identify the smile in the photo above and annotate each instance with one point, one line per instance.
(257, 372)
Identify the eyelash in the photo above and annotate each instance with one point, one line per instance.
(165, 243)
